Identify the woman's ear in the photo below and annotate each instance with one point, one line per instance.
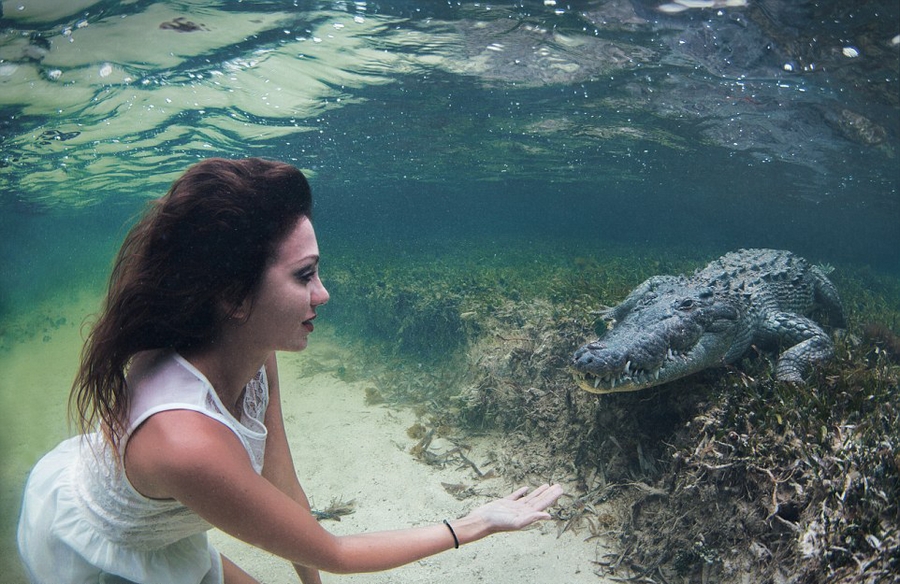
(238, 311)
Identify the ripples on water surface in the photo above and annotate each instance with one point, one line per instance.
(790, 103)
(698, 125)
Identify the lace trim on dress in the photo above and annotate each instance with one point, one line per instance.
(252, 429)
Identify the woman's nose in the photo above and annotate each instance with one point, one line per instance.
(320, 295)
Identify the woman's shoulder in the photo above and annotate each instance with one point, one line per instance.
(161, 379)
(162, 367)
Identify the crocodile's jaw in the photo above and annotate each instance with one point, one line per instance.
(710, 350)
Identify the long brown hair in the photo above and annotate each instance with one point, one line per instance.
(202, 246)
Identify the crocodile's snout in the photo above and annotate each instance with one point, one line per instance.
(596, 358)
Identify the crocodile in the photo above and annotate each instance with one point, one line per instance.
(673, 326)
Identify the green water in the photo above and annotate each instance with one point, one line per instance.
(508, 134)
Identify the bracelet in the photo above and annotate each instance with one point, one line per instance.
(453, 533)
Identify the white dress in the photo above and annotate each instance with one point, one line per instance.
(82, 520)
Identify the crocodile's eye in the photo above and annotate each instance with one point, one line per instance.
(686, 304)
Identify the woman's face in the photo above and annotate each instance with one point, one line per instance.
(284, 304)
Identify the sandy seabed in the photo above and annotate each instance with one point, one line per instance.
(346, 450)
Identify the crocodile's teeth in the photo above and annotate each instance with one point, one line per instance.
(669, 355)
(627, 367)
(612, 383)
(656, 374)
(596, 382)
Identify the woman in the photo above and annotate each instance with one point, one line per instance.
(179, 376)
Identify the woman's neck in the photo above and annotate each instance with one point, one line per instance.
(228, 369)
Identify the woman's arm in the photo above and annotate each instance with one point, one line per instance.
(279, 464)
(191, 457)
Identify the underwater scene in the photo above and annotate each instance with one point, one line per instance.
(648, 249)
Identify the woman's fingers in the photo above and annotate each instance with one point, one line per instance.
(517, 494)
(544, 496)
(540, 498)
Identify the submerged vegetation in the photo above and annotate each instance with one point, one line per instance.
(718, 477)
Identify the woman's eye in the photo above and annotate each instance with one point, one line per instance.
(306, 276)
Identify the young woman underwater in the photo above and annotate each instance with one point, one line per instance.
(178, 401)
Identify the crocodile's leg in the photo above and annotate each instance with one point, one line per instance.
(827, 297)
(807, 344)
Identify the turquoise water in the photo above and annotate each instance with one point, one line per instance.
(515, 127)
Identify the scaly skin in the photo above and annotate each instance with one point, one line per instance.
(673, 326)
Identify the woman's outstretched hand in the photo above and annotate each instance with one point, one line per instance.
(519, 509)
